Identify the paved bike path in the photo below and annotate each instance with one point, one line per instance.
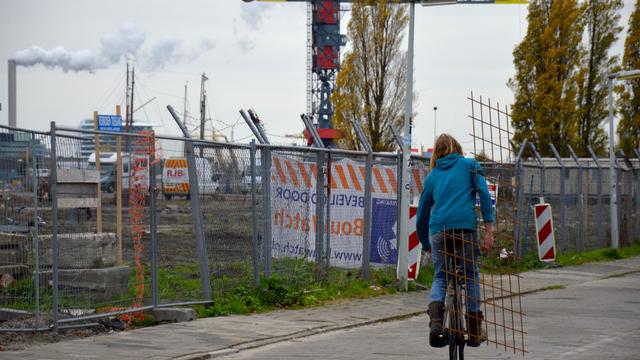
(212, 337)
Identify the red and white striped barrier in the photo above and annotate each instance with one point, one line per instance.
(544, 233)
(415, 247)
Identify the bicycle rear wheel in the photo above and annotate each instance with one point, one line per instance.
(453, 346)
(453, 328)
(455, 333)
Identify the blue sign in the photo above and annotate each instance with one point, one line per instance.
(110, 123)
(384, 213)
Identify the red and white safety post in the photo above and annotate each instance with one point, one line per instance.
(415, 247)
(544, 233)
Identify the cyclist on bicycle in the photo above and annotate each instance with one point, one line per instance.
(448, 203)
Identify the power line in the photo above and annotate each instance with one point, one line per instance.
(108, 96)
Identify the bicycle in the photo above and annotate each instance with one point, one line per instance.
(456, 263)
(455, 326)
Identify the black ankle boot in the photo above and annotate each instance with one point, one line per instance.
(436, 314)
(476, 334)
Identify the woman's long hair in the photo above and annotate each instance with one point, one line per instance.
(445, 145)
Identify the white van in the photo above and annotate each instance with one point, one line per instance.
(108, 161)
(246, 178)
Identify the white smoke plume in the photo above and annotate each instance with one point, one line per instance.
(125, 43)
(170, 50)
(253, 15)
(246, 44)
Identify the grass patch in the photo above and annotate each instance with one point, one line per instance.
(292, 285)
(279, 292)
(494, 264)
(554, 287)
(598, 255)
(425, 277)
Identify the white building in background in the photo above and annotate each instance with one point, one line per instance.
(107, 143)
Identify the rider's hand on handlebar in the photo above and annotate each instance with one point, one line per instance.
(487, 243)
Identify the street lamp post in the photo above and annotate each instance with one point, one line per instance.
(403, 222)
(435, 134)
(613, 195)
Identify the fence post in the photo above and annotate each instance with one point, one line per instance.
(632, 180)
(398, 195)
(326, 255)
(563, 224)
(366, 235)
(618, 213)
(53, 186)
(153, 223)
(528, 218)
(254, 214)
(320, 203)
(542, 171)
(518, 244)
(196, 210)
(198, 223)
(266, 209)
(580, 243)
(637, 197)
(36, 231)
(600, 216)
(268, 236)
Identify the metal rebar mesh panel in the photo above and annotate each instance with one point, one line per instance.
(489, 281)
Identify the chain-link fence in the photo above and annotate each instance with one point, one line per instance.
(25, 297)
(579, 192)
(178, 221)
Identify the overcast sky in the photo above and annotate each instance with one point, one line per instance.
(254, 55)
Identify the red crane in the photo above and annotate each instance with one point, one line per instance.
(323, 55)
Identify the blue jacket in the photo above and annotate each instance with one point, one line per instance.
(447, 200)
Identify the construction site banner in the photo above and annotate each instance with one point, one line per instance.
(294, 198)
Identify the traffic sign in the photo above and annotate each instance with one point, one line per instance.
(492, 185)
(110, 123)
(415, 247)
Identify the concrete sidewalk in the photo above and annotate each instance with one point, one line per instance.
(212, 337)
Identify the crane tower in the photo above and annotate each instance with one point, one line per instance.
(323, 61)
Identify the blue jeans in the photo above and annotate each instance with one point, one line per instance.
(470, 252)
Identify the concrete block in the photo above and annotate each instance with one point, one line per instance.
(174, 314)
(77, 176)
(17, 271)
(97, 284)
(12, 241)
(13, 256)
(81, 250)
(77, 202)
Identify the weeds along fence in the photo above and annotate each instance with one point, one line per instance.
(195, 220)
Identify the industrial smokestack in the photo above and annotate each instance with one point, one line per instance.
(12, 93)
